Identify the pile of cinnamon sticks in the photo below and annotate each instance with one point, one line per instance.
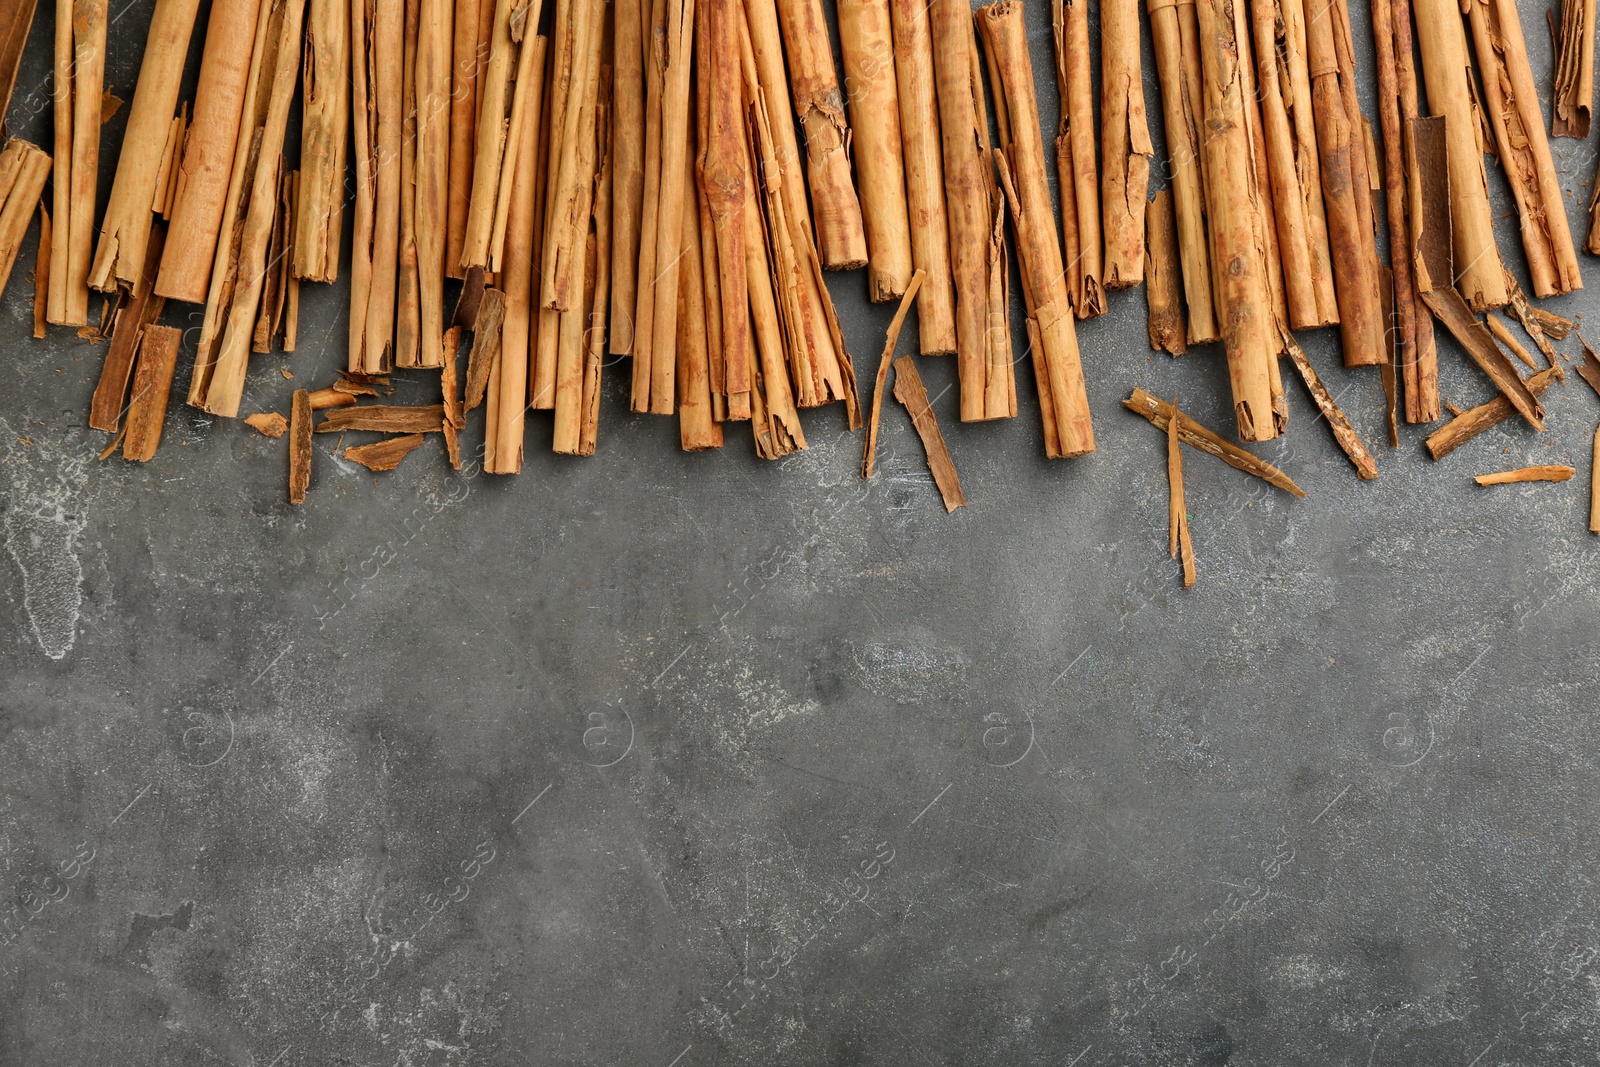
(547, 185)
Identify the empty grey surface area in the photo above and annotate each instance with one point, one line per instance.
(678, 760)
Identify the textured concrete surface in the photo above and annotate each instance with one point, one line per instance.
(678, 760)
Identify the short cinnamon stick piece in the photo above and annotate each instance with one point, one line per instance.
(23, 170)
(924, 166)
(384, 418)
(874, 105)
(869, 450)
(80, 63)
(152, 384)
(268, 423)
(1554, 473)
(1512, 100)
(119, 258)
(814, 82)
(1177, 512)
(1163, 294)
(908, 389)
(1470, 423)
(384, 455)
(1125, 141)
(1159, 412)
(1343, 432)
(1064, 402)
(136, 313)
(1574, 89)
(1446, 72)
(1450, 308)
(299, 446)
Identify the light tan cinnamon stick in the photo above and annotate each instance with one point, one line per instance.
(599, 299)
(867, 44)
(575, 350)
(1553, 473)
(909, 390)
(1293, 164)
(975, 211)
(1126, 148)
(469, 55)
(1238, 223)
(1177, 511)
(1512, 101)
(627, 182)
(509, 64)
(1470, 423)
(869, 450)
(1021, 154)
(80, 61)
(201, 194)
(1158, 412)
(152, 385)
(579, 30)
(924, 168)
(725, 183)
(1502, 333)
(814, 83)
(15, 22)
(1446, 72)
(24, 168)
(1075, 159)
(1345, 191)
(119, 258)
(432, 174)
(324, 132)
(1574, 88)
(1163, 293)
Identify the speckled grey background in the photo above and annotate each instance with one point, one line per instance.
(671, 760)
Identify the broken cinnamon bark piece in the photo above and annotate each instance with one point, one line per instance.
(1158, 412)
(383, 418)
(269, 423)
(299, 446)
(152, 384)
(1343, 432)
(883, 371)
(138, 311)
(909, 391)
(485, 344)
(1554, 473)
(1589, 369)
(1451, 309)
(1470, 423)
(332, 397)
(384, 455)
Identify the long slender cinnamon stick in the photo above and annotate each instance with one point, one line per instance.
(432, 173)
(80, 60)
(1075, 158)
(210, 144)
(725, 184)
(1551, 473)
(919, 130)
(1177, 511)
(814, 82)
(1446, 74)
(119, 258)
(376, 97)
(1057, 363)
(1574, 88)
(698, 430)
(324, 131)
(1238, 224)
(600, 273)
(1126, 148)
(1512, 101)
(1594, 479)
(627, 192)
(869, 450)
(1158, 412)
(573, 359)
(408, 283)
(567, 221)
(1174, 29)
(874, 104)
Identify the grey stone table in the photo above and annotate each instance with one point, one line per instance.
(672, 760)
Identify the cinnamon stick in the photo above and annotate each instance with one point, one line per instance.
(627, 194)
(15, 21)
(152, 384)
(1594, 485)
(1126, 148)
(725, 184)
(975, 211)
(324, 132)
(41, 275)
(1057, 365)
(408, 283)
(432, 173)
(1075, 159)
(1553, 473)
(576, 66)
(1470, 423)
(924, 168)
(1162, 289)
(141, 308)
(1446, 74)
(201, 194)
(377, 59)
(870, 449)
(1158, 412)
(698, 430)
(24, 168)
(510, 64)
(908, 389)
(1238, 222)
(1293, 164)
(384, 455)
(119, 258)
(485, 345)
(1345, 193)
(1177, 511)
(867, 44)
(1343, 432)
(1574, 78)
(383, 418)
(323, 399)
(1512, 101)
(1451, 309)
(299, 446)
(814, 83)
(576, 355)
(80, 61)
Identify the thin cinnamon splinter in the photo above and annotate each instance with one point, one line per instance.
(1594, 486)
(1553, 473)
(1159, 412)
(909, 391)
(1177, 514)
(883, 371)
(1343, 432)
